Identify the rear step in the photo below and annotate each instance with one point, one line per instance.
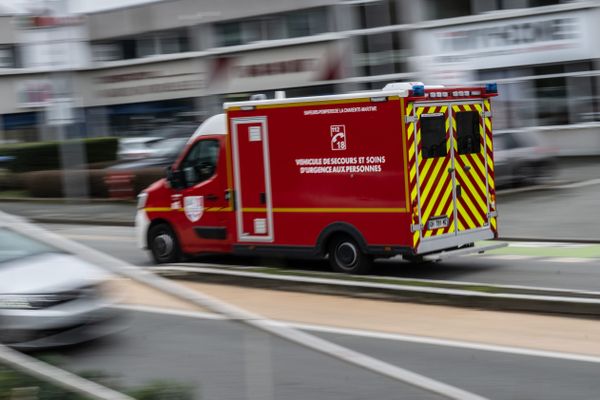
(461, 252)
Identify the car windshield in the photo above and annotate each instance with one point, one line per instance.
(14, 246)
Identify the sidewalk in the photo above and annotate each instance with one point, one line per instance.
(94, 213)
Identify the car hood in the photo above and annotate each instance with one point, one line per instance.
(48, 273)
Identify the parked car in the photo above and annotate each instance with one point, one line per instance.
(155, 144)
(520, 157)
(163, 153)
(49, 298)
(135, 148)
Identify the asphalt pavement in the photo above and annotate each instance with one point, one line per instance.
(225, 360)
(534, 264)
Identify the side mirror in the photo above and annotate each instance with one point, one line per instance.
(174, 178)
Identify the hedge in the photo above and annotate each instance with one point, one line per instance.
(50, 183)
(41, 156)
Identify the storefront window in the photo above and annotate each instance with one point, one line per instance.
(21, 127)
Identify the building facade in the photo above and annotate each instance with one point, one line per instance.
(129, 71)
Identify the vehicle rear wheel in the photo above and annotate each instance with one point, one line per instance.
(346, 256)
(163, 244)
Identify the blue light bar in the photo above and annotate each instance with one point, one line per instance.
(491, 88)
(418, 90)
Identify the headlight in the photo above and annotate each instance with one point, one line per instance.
(141, 200)
(33, 301)
(14, 302)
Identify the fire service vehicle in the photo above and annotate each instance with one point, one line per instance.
(407, 170)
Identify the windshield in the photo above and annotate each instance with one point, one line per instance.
(14, 246)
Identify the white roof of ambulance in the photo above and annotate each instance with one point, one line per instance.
(217, 124)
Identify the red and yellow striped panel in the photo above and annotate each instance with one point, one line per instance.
(435, 179)
(412, 171)
(471, 176)
(489, 153)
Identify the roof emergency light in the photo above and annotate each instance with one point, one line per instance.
(418, 90)
(491, 88)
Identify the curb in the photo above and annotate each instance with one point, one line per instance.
(64, 200)
(75, 221)
(558, 304)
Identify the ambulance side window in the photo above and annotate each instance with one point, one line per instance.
(433, 135)
(467, 130)
(200, 163)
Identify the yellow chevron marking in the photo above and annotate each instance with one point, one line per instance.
(410, 129)
(480, 202)
(431, 110)
(493, 222)
(461, 227)
(488, 124)
(477, 107)
(443, 109)
(475, 176)
(443, 200)
(413, 172)
(467, 107)
(415, 238)
(429, 204)
(425, 168)
(477, 212)
(420, 111)
(466, 217)
(409, 108)
(489, 142)
(434, 174)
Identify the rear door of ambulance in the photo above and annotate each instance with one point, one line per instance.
(452, 172)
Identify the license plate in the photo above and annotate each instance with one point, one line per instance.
(437, 223)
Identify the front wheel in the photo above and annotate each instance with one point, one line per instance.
(163, 244)
(345, 256)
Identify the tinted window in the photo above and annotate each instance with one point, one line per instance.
(200, 163)
(433, 136)
(467, 130)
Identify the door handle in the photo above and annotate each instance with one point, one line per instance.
(467, 168)
(458, 191)
(451, 170)
(263, 198)
(212, 197)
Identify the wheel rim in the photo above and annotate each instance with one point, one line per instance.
(164, 245)
(346, 255)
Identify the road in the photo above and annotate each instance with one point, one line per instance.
(224, 360)
(529, 264)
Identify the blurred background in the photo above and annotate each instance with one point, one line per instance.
(116, 78)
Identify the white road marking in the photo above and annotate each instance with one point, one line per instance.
(509, 257)
(579, 184)
(98, 237)
(570, 260)
(546, 244)
(386, 336)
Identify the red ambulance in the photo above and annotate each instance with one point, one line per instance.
(408, 170)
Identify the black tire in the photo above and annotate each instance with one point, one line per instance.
(163, 244)
(346, 256)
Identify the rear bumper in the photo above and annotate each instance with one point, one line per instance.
(450, 241)
(464, 251)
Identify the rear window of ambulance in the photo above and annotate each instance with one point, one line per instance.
(433, 135)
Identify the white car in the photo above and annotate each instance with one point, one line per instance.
(136, 148)
(49, 298)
